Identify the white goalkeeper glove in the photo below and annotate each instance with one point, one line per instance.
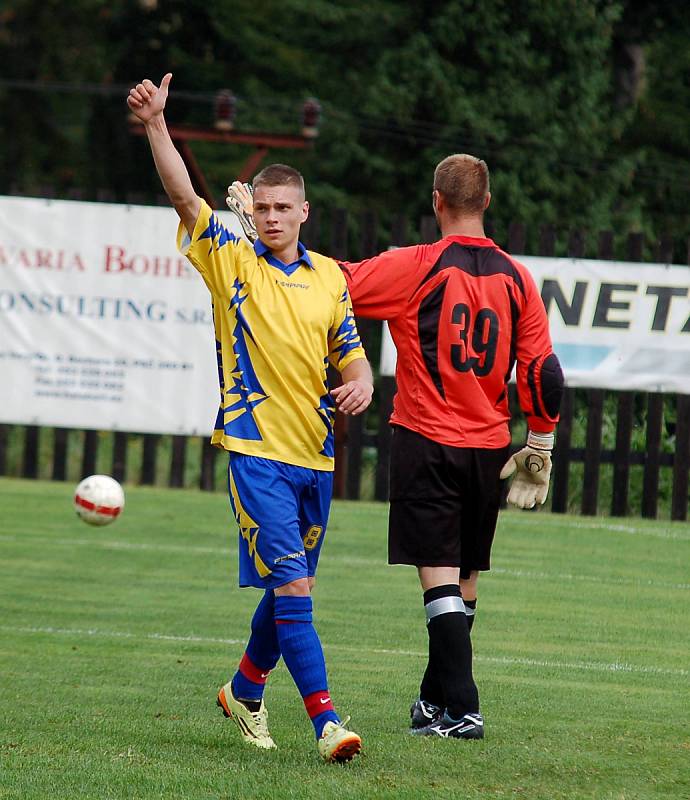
(532, 468)
(240, 201)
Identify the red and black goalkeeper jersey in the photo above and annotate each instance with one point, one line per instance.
(461, 313)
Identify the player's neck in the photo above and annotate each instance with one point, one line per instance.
(463, 226)
(288, 254)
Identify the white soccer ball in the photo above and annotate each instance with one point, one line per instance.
(99, 499)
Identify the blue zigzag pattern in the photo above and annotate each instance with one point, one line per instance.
(346, 337)
(246, 391)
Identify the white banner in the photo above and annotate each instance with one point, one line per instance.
(103, 325)
(618, 325)
(614, 325)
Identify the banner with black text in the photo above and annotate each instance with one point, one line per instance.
(614, 325)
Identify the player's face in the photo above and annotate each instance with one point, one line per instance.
(278, 213)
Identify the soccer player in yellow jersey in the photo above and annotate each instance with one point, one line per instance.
(281, 314)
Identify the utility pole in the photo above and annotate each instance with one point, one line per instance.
(223, 131)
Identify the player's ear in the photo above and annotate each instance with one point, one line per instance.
(305, 211)
(487, 200)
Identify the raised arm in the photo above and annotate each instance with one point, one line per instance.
(147, 102)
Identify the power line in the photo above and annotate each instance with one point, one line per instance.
(437, 134)
(424, 132)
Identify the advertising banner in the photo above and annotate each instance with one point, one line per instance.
(103, 325)
(618, 325)
(614, 325)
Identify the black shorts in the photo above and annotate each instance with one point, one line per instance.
(444, 503)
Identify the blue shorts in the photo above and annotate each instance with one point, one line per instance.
(282, 514)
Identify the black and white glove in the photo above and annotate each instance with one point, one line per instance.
(532, 468)
(240, 201)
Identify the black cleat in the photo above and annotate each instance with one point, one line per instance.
(423, 714)
(471, 726)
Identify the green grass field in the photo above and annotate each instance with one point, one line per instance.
(114, 641)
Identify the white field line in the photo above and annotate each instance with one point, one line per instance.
(565, 576)
(681, 533)
(358, 561)
(593, 666)
(112, 544)
(355, 561)
(98, 632)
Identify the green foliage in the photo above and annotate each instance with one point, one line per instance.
(661, 129)
(533, 88)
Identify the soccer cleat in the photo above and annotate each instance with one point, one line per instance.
(423, 714)
(337, 744)
(253, 725)
(471, 726)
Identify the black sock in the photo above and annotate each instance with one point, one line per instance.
(470, 610)
(430, 689)
(450, 649)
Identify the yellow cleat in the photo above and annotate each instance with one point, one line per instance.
(253, 725)
(337, 744)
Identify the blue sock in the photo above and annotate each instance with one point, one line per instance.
(303, 656)
(261, 655)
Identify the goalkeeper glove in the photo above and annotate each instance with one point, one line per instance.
(240, 201)
(532, 466)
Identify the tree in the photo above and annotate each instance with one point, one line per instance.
(578, 108)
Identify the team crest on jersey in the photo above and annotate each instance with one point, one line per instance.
(312, 536)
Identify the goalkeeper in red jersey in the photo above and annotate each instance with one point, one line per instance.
(462, 314)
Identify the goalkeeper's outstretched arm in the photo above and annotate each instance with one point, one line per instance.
(147, 102)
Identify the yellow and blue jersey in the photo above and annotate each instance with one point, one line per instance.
(277, 328)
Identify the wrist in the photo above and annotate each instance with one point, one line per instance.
(540, 441)
(156, 123)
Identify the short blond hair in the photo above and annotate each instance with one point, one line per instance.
(279, 175)
(463, 181)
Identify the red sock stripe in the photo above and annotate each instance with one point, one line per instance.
(318, 702)
(251, 672)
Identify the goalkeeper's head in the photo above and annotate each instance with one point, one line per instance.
(462, 182)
